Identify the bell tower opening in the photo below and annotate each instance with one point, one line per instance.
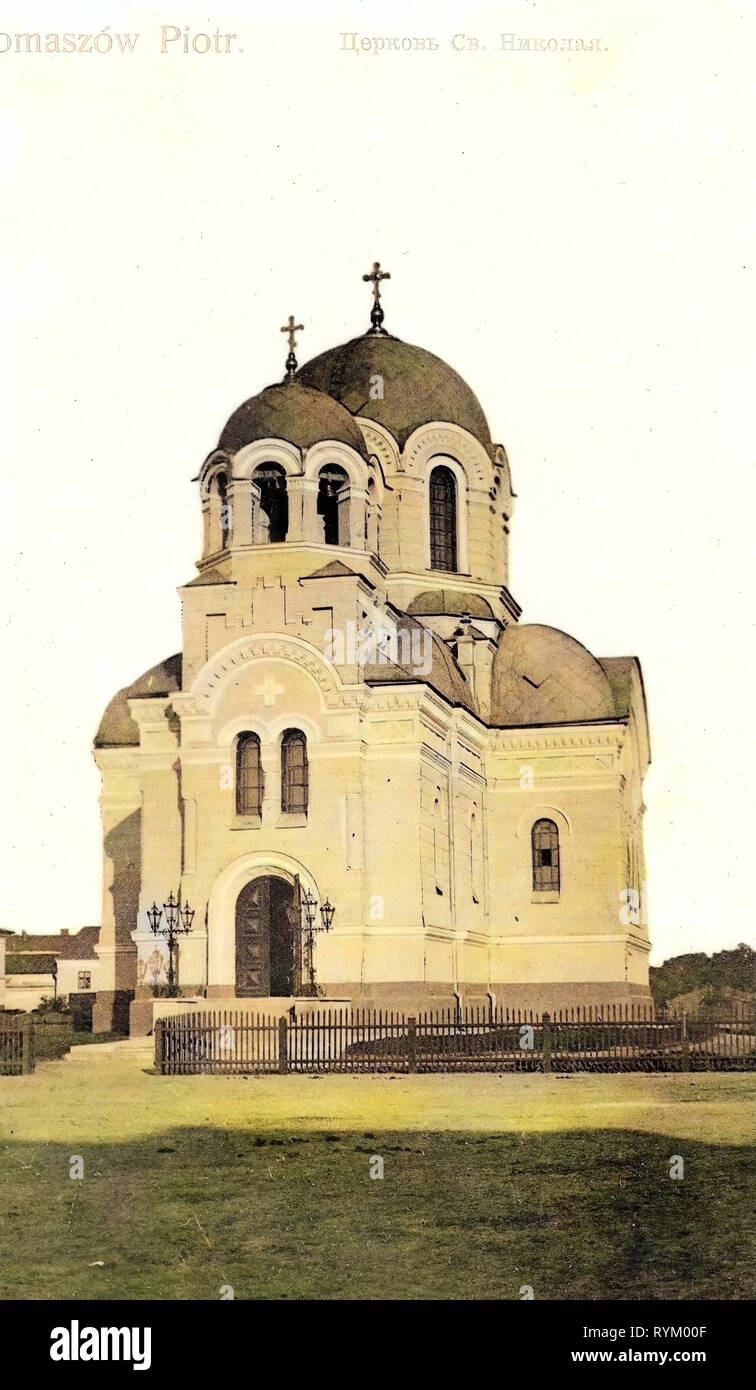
(330, 483)
(274, 501)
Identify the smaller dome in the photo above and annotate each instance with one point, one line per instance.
(293, 412)
(445, 676)
(117, 728)
(438, 601)
(543, 676)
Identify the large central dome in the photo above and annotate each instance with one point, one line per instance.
(417, 387)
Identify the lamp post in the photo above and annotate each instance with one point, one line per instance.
(178, 922)
(310, 930)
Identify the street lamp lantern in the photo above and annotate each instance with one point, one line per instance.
(310, 930)
(178, 922)
(171, 911)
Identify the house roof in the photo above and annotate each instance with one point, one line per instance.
(22, 963)
(65, 946)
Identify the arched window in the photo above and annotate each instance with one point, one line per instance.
(443, 519)
(330, 482)
(221, 488)
(545, 838)
(294, 772)
(274, 500)
(249, 776)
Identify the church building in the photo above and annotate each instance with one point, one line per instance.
(363, 778)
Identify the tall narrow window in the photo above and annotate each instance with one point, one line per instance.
(545, 839)
(330, 482)
(249, 776)
(274, 501)
(294, 772)
(443, 519)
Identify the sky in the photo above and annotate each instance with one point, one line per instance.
(570, 227)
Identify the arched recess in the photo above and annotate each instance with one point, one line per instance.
(212, 678)
(222, 906)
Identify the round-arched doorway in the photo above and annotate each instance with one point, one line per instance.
(268, 940)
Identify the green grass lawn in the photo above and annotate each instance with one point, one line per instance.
(263, 1183)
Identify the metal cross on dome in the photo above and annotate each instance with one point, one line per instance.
(291, 328)
(376, 313)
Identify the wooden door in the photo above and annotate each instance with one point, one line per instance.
(253, 939)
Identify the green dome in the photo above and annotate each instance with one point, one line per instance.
(417, 387)
(293, 412)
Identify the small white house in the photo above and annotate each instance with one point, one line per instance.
(36, 966)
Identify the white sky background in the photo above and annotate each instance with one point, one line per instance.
(573, 233)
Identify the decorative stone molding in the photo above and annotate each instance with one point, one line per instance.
(215, 463)
(381, 443)
(288, 456)
(331, 451)
(510, 741)
(213, 675)
(440, 438)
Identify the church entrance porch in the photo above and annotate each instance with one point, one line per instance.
(268, 942)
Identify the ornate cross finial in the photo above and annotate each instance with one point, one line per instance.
(376, 313)
(291, 328)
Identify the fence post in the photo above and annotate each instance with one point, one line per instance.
(27, 1045)
(283, 1045)
(160, 1046)
(547, 1039)
(685, 1058)
(412, 1044)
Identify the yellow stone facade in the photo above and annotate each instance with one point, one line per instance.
(439, 730)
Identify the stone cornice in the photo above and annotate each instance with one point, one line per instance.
(609, 735)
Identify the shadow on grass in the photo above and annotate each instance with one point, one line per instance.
(456, 1216)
